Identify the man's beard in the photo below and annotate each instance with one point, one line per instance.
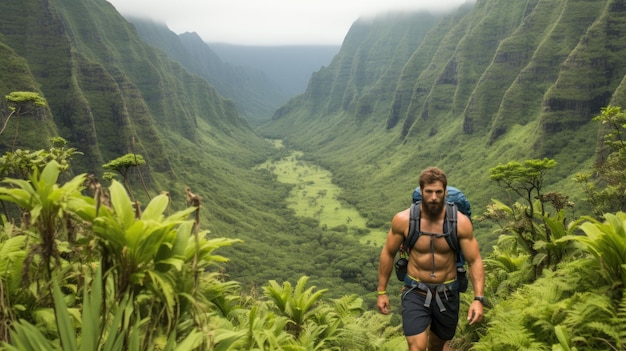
(433, 209)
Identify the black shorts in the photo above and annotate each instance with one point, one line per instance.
(416, 317)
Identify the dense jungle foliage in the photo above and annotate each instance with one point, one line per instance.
(109, 146)
(86, 267)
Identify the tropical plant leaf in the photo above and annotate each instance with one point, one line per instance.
(27, 337)
(67, 332)
(12, 256)
(163, 286)
(192, 341)
(156, 207)
(121, 204)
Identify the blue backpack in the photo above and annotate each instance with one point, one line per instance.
(455, 201)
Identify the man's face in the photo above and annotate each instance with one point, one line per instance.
(433, 198)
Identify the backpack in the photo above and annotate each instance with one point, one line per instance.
(455, 201)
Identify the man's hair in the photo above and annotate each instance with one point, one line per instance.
(431, 175)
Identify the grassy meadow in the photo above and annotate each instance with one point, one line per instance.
(315, 196)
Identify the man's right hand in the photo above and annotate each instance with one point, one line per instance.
(383, 304)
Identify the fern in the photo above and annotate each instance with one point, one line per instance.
(620, 323)
(509, 333)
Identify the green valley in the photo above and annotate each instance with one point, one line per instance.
(221, 240)
(315, 196)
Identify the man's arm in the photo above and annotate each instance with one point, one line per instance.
(471, 252)
(395, 237)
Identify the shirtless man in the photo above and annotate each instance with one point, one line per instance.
(431, 268)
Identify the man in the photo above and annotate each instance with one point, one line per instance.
(430, 298)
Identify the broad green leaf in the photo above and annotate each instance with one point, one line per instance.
(148, 245)
(50, 174)
(192, 341)
(164, 286)
(183, 234)
(180, 215)
(156, 207)
(562, 336)
(135, 233)
(177, 263)
(19, 196)
(227, 339)
(122, 204)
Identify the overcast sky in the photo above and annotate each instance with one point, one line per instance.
(269, 22)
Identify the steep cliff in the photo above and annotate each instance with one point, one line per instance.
(109, 92)
(254, 93)
(492, 82)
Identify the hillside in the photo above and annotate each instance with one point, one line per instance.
(109, 93)
(490, 83)
(255, 93)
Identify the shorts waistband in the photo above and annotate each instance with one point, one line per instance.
(431, 289)
(448, 285)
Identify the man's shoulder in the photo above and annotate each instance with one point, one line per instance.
(400, 221)
(464, 225)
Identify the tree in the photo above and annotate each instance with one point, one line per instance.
(21, 103)
(531, 223)
(123, 164)
(606, 186)
(523, 178)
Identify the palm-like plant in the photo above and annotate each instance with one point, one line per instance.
(109, 331)
(607, 242)
(149, 257)
(297, 304)
(264, 330)
(45, 207)
(506, 271)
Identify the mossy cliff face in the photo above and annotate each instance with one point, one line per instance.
(493, 81)
(109, 93)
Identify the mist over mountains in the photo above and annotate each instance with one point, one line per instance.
(259, 79)
(290, 67)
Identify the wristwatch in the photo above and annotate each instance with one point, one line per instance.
(481, 299)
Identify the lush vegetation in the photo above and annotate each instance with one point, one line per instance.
(507, 86)
(84, 267)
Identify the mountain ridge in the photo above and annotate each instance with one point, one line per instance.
(486, 84)
(491, 82)
(255, 94)
(110, 93)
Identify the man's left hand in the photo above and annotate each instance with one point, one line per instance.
(475, 313)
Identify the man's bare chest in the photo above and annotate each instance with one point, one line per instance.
(432, 239)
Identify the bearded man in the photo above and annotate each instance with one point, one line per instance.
(430, 298)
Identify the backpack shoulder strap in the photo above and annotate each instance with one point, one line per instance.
(414, 226)
(450, 228)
